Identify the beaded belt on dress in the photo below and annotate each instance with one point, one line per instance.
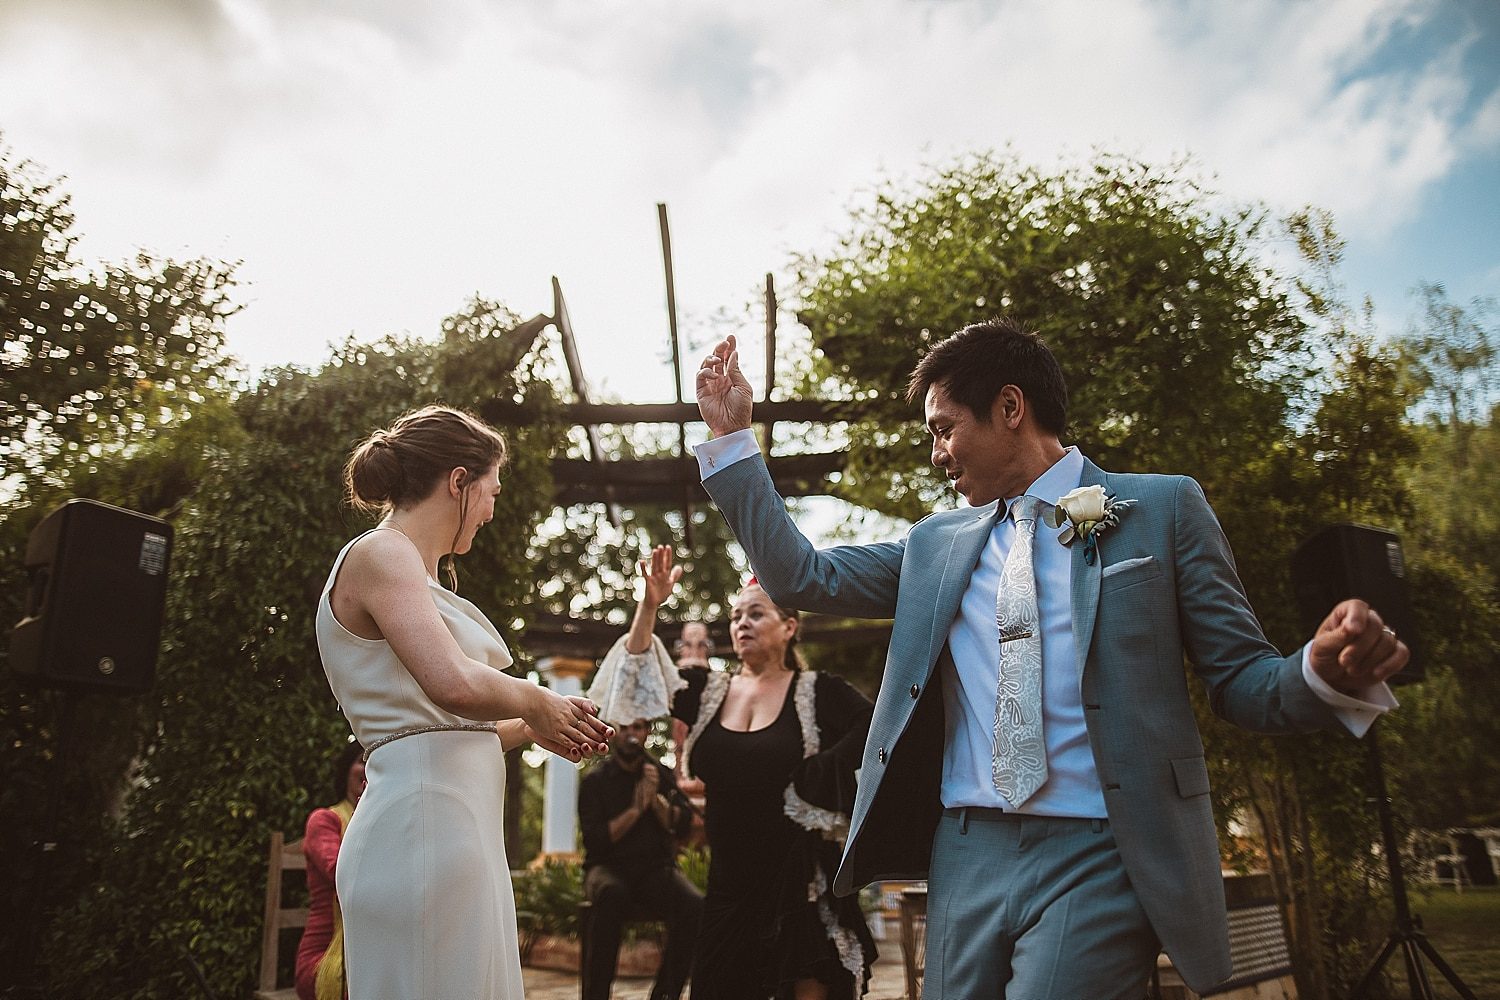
(442, 727)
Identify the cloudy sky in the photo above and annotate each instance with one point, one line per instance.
(374, 162)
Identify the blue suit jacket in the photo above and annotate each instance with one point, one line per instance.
(1164, 585)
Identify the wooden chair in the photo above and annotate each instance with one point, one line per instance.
(914, 937)
(1491, 838)
(1438, 859)
(1455, 861)
(283, 857)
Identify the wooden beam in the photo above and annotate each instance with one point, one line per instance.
(580, 387)
(770, 336)
(666, 263)
(669, 471)
(569, 495)
(769, 438)
(631, 472)
(816, 411)
(682, 446)
(666, 480)
(668, 496)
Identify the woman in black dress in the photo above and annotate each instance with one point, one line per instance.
(776, 746)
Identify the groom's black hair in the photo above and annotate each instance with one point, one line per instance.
(978, 361)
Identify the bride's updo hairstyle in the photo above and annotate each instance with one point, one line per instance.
(405, 463)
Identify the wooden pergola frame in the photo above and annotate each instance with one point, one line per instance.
(669, 480)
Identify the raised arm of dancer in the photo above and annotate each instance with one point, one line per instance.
(660, 578)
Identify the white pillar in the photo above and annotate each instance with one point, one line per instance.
(560, 802)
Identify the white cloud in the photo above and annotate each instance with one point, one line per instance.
(374, 163)
(1484, 128)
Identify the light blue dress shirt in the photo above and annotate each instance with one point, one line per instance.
(969, 683)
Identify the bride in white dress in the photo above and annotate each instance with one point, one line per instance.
(423, 883)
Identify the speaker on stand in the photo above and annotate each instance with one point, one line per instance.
(1352, 560)
(97, 588)
(95, 598)
(1340, 562)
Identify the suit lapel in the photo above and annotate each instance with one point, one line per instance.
(1085, 583)
(958, 569)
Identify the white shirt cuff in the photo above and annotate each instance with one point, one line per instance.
(1357, 714)
(720, 453)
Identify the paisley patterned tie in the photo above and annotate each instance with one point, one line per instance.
(1020, 760)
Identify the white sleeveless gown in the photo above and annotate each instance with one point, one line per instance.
(422, 875)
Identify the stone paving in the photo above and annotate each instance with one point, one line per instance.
(888, 982)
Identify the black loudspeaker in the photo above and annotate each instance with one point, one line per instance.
(1352, 560)
(97, 589)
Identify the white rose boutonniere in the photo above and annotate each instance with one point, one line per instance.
(1087, 511)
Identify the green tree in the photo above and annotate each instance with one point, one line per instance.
(1456, 348)
(235, 739)
(1177, 339)
(94, 362)
(1308, 795)
(1454, 535)
(113, 386)
(1185, 351)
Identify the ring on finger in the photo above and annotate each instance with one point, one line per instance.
(1389, 631)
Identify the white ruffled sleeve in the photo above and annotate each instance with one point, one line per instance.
(630, 686)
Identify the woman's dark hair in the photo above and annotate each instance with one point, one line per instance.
(406, 462)
(793, 658)
(978, 361)
(341, 765)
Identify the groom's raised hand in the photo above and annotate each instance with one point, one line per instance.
(724, 399)
(1354, 649)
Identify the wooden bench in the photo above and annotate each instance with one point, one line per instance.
(1262, 961)
(1258, 950)
(282, 858)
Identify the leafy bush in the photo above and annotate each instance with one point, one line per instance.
(235, 740)
(694, 864)
(547, 899)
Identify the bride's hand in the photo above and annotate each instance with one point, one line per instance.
(569, 752)
(567, 725)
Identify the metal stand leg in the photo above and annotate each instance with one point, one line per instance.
(1408, 934)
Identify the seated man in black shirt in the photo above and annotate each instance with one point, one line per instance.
(630, 812)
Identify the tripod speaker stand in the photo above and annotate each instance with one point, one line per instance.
(95, 598)
(1407, 935)
(1337, 563)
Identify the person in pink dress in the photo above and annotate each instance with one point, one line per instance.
(322, 944)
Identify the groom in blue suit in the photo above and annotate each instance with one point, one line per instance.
(1033, 752)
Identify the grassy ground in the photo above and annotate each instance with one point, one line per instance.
(1465, 930)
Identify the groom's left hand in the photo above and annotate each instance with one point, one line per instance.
(1354, 649)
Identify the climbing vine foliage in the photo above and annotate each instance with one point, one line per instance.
(236, 737)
